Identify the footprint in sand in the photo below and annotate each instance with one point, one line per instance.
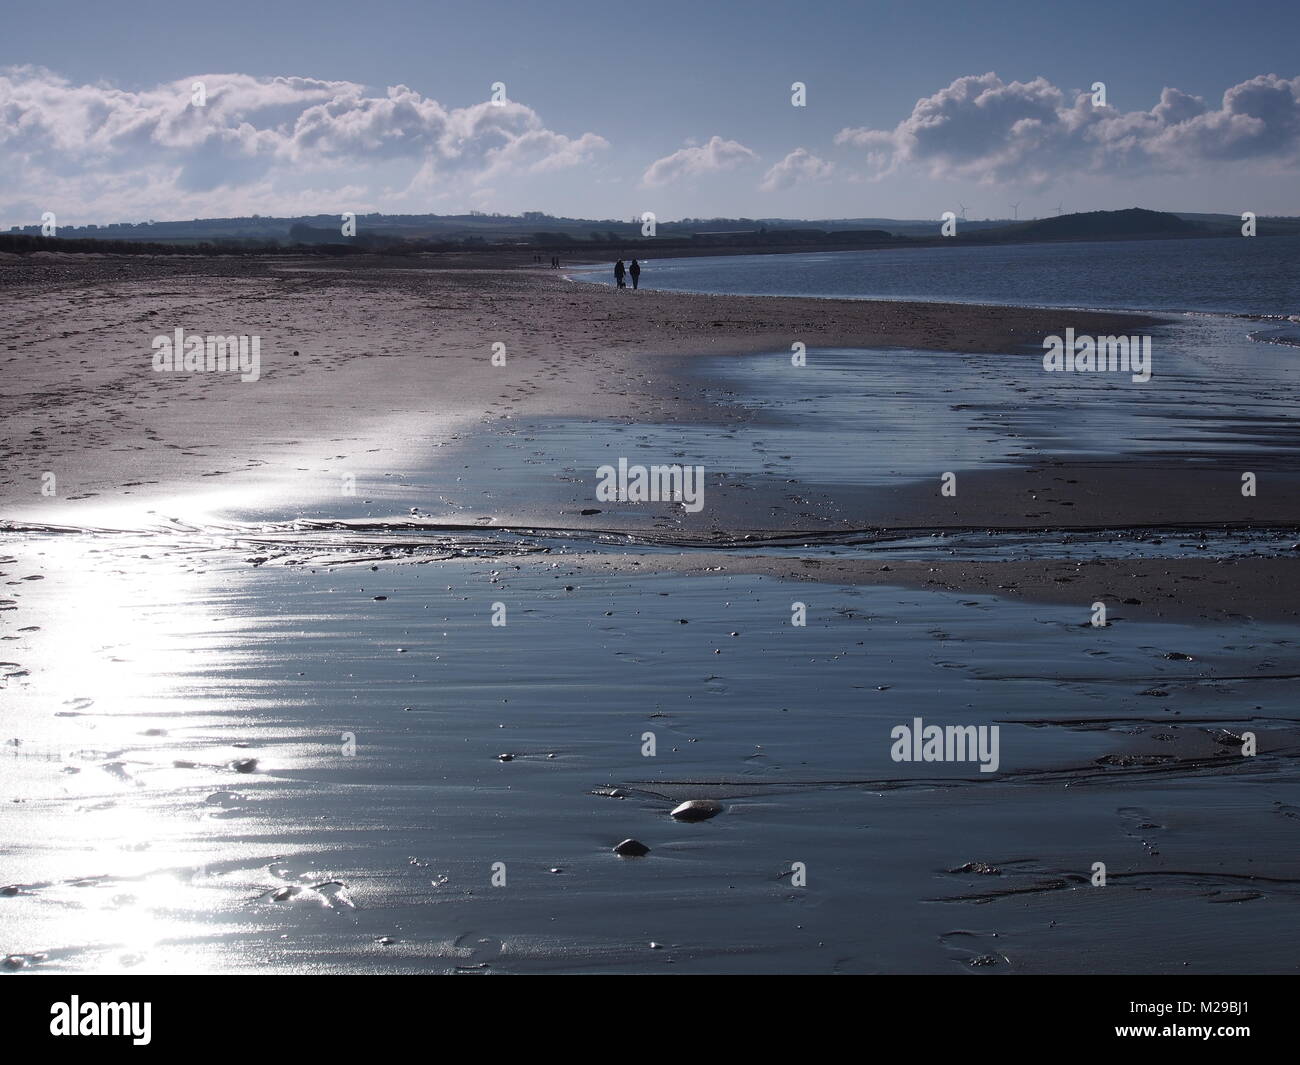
(1142, 826)
(478, 951)
(227, 803)
(974, 950)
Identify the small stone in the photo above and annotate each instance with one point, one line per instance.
(244, 765)
(631, 848)
(505, 757)
(697, 810)
(982, 868)
(1177, 656)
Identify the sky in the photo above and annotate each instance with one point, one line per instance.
(609, 110)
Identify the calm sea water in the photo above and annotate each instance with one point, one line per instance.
(1259, 276)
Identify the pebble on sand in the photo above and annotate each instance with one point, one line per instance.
(697, 810)
(631, 848)
(244, 765)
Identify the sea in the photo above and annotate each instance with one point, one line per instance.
(1257, 277)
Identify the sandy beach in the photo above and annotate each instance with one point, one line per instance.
(571, 349)
(248, 637)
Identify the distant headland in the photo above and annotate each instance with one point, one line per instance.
(574, 238)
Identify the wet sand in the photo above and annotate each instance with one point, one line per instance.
(377, 703)
(238, 604)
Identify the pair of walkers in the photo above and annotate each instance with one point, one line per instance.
(621, 274)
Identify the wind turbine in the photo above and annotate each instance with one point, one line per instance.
(963, 210)
(1016, 208)
(1059, 207)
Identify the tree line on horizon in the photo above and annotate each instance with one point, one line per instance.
(1133, 223)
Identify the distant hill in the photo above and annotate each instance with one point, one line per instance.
(605, 238)
(1100, 225)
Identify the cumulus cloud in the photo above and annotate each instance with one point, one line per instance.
(797, 167)
(714, 157)
(256, 140)
(982, 128)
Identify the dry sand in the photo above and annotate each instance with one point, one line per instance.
(81, 397)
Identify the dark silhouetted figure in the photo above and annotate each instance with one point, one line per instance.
(635, 271)
(618, 274)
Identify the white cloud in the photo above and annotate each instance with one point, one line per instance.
(713, 157)
(981, 128)
(797, 167)
(259, 143)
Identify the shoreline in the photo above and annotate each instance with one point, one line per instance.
(92, 409)
(394, 388)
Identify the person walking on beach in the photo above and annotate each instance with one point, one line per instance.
(636, 273)
(618, 274)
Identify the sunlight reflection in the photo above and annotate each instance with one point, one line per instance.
(94, 734)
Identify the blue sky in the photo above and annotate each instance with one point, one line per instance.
(679, 108)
